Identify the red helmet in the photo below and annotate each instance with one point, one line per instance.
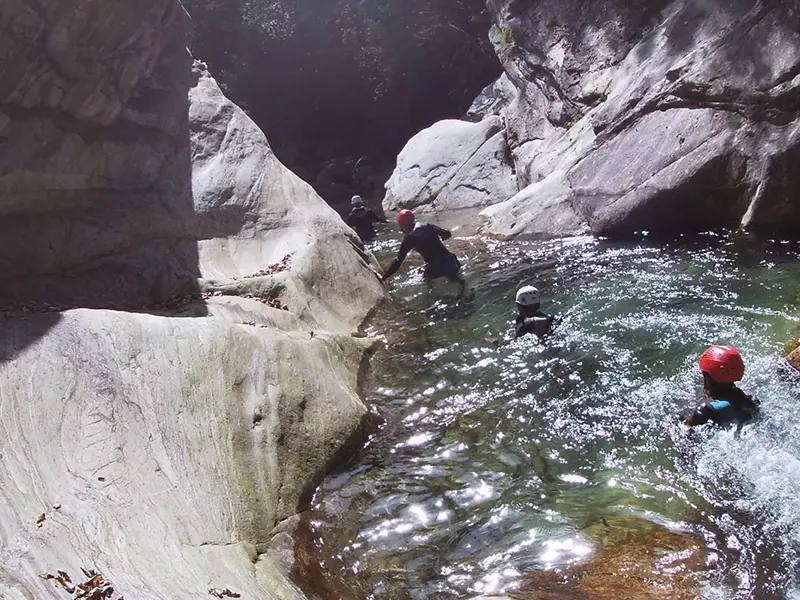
(406, 218)
(723, 364)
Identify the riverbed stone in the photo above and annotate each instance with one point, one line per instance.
(634, 559)
(794, 358)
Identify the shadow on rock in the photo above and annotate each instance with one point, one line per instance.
(19, 333)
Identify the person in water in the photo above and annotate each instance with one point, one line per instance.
(426, 239)
(362, 219)
(722, 367)
(530, 318)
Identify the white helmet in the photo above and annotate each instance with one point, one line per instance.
(528, 296)
(356, 201)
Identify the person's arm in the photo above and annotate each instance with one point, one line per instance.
(405, 248)
(549, 327)
(519, 328)
(373, 216)
(700, 416)
(442, 233)
(349, 219)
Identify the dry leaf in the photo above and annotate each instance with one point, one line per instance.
(40, 519)
(46, 576)
(65, 576)
(226, 593)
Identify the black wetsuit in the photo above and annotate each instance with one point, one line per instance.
(539, 324)
(361, 219)
(426, 239)
(738, 407)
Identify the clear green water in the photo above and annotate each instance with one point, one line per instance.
(496, 463)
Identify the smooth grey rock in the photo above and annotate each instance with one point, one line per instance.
(492, 100)
(665, 116)
(453, 165)
(669, 116)
(176, 444)
(173, 445)
(94, 133)
(542, 210)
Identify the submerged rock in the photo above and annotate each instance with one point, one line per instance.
(174, 440)
(794, 358)
(636, 560)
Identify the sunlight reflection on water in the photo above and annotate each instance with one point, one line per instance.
(499, 459)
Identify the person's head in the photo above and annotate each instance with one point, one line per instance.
(528, 300)
(722, 367)
(406, 220)
(356, 201)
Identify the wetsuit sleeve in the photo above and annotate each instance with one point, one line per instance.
(700, 416)
(442, 233)
(519, 327)
(349, 219)
(405, 248)
(373, 216)
(750, 407)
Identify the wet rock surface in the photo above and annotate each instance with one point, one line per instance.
(635, 560)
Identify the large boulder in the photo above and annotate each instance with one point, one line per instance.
(169, 447)
(453, 165)
(165, 452)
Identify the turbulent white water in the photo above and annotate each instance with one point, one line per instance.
(496, 462)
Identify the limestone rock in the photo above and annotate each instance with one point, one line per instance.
(540, 211)
(492, 100)
(453, 165)
(667, 116)
(94, 133)
(251, 212)
(177, 439)
(173, 445)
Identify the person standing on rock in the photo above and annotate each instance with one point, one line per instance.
(722, 367)
(426, 239)
(362, 219)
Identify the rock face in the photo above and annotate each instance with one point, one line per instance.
(679, 115)
(452, 165)
(168, 448)
(666, 116)
(93, 106)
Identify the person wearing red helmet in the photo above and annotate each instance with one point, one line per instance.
(722, 367)
(426, 239)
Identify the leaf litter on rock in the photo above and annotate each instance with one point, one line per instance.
(226, 593)
(96, 587)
